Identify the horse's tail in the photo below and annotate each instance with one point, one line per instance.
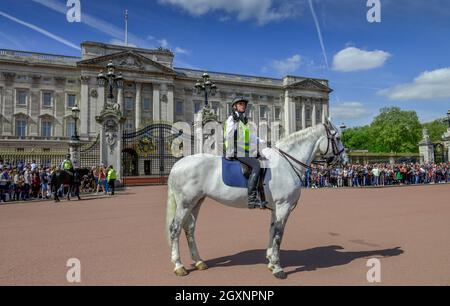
(171, 210)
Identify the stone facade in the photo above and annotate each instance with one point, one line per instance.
(37, 92)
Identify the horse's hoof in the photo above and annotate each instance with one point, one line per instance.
(181, 271)
(280, 275)
(201, 266)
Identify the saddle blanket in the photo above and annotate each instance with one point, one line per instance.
(232, 174)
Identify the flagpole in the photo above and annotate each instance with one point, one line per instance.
(126, 27)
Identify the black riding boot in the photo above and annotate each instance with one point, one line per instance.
(253, 201)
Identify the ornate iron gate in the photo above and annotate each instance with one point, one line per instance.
(147, 153)
(90, 154)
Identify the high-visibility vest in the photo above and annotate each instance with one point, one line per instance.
(67, 165)
(241, 137)
(112, 175)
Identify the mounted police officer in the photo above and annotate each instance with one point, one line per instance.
(67, 165)
(238, 132)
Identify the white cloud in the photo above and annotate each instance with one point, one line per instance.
(179, 50)
(96, 23)
(429, 85)
(354, 59)
(163, 43)
(263, 11)
(349, 111)
(40, 30)
(285, 66)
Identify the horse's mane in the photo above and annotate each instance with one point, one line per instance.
(298, 136)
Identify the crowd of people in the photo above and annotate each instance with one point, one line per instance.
(377, 175)
(29, 181)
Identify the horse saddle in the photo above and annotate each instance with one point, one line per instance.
(236, 174)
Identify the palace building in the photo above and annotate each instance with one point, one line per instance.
(38, 91)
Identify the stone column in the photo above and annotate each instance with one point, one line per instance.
(303, 114)
(313, 117)
(446, 138)
(324, 111)
(426, 149)
(74, 149)
(156, 103)
(120, 99)
(289, 113)
(138, 104)
(8, 106)
(84, 106)
(170, 104)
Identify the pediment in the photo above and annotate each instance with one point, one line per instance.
(127, 60)
(310, 84)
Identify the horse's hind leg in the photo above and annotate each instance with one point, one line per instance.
(175, 231)
(189, 229)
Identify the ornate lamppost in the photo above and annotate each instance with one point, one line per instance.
(111, 118)
(75, 117)
(208, 88)
(110, 80)
(74, 145)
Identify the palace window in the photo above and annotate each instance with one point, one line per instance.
(263, 112)
(197, 107)
(70, 130)
(21, 127)
(229, 109)
(71, 100)
(298, 111)
(308, 112)
(47, 98)
(22, 97)
(147, 103)
(129, 103)
(179, 108)
(129, 126)
(318, 114)
(46, 129)
(277, 113)
(216, 108)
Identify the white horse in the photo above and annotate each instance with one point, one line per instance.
(196, 177)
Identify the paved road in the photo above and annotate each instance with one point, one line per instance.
(329, 238)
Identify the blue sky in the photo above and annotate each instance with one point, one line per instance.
(402, 61)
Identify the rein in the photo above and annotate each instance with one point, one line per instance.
(331, 139)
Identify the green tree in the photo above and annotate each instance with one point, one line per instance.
(357, 138)
(394, 130)
(436, 129)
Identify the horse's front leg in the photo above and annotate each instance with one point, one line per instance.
(69, 191)
(269, 247)
(281, 216)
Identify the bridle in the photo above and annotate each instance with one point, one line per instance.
(331, 136)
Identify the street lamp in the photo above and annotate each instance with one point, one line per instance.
(75, 116)
(110, 79)
(207, 87)
(448, 118)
